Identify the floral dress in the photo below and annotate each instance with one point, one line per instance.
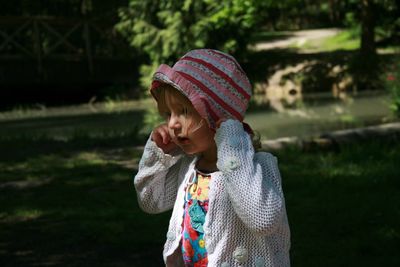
(196, 207)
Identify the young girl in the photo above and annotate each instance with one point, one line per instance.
(227, 199)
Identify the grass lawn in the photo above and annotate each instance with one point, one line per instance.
(67, 197)
(347, 39)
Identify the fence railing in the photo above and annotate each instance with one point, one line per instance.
(49, 38)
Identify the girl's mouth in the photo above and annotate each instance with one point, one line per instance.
(183, 140)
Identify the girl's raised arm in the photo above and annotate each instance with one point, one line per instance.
(252, 179)
(156, 182)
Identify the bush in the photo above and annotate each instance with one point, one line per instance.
(165, 30)
(392, 84)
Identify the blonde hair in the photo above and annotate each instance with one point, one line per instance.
(192, 122)
(256, 141)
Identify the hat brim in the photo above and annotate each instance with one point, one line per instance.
(167, 75)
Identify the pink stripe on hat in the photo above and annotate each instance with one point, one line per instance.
(229, 94)
(220, 73)
(211, 111)
(213, 95)
(230, 58)
(230, 67)
(214, 85)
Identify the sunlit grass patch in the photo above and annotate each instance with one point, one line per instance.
(389, 50)
(107, 106)
(85, 159)
(20, 215)
(389, 233)
(345, 39)
(121, 178)
(348, 39)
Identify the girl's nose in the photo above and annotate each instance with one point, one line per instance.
(174, 123)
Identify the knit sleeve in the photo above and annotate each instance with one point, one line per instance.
(156, 182)
(252, 180)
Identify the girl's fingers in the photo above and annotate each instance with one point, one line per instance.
(155, 137)
(162, 138)
(169, 147)
(165, 136)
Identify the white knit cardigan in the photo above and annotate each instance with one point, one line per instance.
(246, 223)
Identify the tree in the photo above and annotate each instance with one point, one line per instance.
(165, 29)
(367, 28)
(379, 21)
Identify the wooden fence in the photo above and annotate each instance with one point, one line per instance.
(38, 39)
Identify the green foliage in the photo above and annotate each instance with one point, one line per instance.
(388, 22)
(165, 30)
(350, 20)
(392, 84)
(296, 14)
(386, 18)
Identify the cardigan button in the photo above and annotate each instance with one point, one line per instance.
(240, 254)
(171, 236)
(231, 164)
(225, 264)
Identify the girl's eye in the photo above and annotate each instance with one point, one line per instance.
(183, 112)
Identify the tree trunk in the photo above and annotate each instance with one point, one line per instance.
(367, 28)
(334, 11)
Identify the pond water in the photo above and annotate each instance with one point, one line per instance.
(123, 119)
(317, 117)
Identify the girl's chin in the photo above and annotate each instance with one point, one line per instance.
(189, 150)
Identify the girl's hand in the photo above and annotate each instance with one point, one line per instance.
(163, 139)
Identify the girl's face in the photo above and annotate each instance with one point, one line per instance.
(186, 127)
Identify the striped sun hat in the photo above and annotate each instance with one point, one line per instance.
(212, 80)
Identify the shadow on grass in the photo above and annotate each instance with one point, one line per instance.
(342, 206)
(67, 196)
(83, 213)
(80, 209)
